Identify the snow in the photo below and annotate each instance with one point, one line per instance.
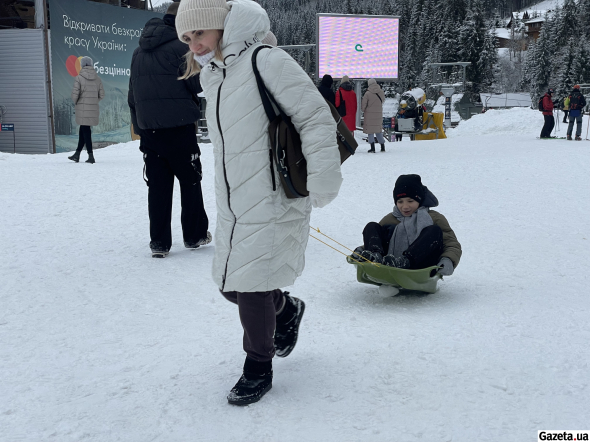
(100, 342)
(502, 33)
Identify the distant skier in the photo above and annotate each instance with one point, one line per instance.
(325, 89)
(86, 94)
(412, 236)
(547, 109)
(348, 96)
(577, 103)
(372, 106)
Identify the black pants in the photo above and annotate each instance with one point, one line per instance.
(565, 114)
(176, 156)
(548, 126)
(424, 252)
(258, 314)
(84, 137)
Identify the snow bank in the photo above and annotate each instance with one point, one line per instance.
(516, 121)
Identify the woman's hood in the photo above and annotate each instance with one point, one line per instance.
(245, 22)
(88, 73)
(375, 88)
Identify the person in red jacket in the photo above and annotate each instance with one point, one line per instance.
(346, 94)
(548, 114)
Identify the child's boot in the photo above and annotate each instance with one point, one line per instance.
(569, 137)
(256, 380)
(90, 158)
(401, 262)
(372, 256)
(372, 149)
(287, 328)
(382, 147)
(578, 138)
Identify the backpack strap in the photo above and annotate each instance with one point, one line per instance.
(268, 101)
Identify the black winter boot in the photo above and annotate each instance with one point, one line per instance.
(372, 256)
(287, 328)
(76, 157)
(401, 263)
(90, 158)
(254, 383)
(372, 149)
(383, 148)
(199, 243)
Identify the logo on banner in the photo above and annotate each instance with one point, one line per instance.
(73, 65)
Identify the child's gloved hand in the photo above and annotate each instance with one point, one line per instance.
(447, 266)
(357, 253)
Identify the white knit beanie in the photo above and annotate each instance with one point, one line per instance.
(200, 15)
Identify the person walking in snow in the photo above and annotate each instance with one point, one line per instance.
(548, 114)
(577, 102)
(346, 95)
(413, 236)
(163, 112)
(325, 89)
(86, 94)
(566, 108)
(372, 106)
(261, 234)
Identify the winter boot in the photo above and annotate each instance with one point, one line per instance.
(199, 243)
(357, 253)
(401, 263)
(569, 137)
(158, 250)
(578, 138)
(372, 256)
(256, 380)
(287, 328)
(372, 149)
(76, 157)
(383, 148)
(90, 158)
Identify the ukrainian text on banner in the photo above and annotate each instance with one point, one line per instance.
(107, 34)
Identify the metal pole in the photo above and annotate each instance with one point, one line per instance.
(587, 127)
(49, 84)
(357, 91)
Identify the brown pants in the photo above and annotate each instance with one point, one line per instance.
(258, 314)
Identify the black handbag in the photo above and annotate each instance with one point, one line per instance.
(286, 150)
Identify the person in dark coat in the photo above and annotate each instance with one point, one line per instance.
(577, 102)
(325, 89)
(548, 114)
(163, 112)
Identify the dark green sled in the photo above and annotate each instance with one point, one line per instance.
(418, 280)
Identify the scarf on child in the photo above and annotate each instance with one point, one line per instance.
(409, 228)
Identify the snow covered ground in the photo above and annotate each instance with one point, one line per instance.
(100, 342)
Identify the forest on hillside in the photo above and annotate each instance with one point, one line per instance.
(459, 30)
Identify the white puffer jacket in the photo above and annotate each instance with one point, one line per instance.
(261, 235)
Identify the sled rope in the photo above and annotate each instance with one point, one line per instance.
(342, 245)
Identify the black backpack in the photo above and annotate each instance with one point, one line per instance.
(540, 104)
(577, 101)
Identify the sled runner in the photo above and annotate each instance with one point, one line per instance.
(422, 280)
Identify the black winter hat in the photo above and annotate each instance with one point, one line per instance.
(550, 91)
(409, 186)
(327, 80)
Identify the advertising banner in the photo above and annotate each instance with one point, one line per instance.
(109, 35)
(360, 46)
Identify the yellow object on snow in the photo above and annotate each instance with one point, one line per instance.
(431, 121)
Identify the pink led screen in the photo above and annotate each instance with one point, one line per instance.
(358, 46)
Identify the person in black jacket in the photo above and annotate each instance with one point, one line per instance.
(325, 89)
(163, 112)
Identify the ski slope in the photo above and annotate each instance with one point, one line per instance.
(100, 342)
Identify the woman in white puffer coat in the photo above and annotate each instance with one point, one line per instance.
(261, 235)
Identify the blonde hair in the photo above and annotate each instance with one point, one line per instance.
(192, 67)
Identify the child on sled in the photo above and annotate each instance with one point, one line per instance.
(413, 236)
